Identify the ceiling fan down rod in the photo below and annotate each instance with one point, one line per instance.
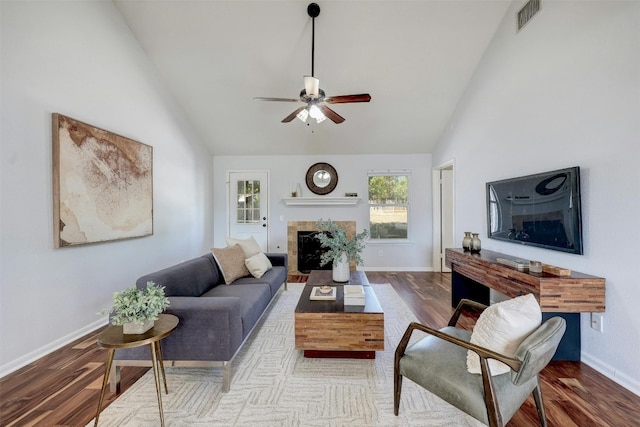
(313, 10)
(313, 44)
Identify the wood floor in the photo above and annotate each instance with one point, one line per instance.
(62, 389)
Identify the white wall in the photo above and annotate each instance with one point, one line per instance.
(352, 178)
(80, 59)
(564, 92)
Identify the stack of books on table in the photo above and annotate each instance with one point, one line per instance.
(353, 295)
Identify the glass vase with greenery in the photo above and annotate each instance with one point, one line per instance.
(335, 239)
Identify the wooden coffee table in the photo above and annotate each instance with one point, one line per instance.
(331, 329)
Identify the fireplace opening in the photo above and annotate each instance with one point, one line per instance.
(309, 252)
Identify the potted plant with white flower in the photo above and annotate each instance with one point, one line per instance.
(138, 309)
(340, 248)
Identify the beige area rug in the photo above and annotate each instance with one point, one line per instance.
(274, 385)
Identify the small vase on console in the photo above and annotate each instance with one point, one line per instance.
(475, 243)
(466, 241)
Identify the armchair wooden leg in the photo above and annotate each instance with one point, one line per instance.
(537, 397)
(493, 411)
(397, 388)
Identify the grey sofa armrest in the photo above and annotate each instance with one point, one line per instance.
(209, 329)
(277, 259)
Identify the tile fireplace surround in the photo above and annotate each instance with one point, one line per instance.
(292, 239)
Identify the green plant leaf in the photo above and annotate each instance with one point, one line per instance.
(334, 238)
(137, 305)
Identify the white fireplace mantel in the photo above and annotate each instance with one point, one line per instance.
(317, 201)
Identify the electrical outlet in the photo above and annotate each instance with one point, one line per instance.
(597, 322)
(380, 253)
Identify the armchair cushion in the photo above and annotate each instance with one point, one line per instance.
(501, 327)
(538, 348)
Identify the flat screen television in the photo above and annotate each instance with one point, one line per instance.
(541, 210)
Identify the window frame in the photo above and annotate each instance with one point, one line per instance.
(407, 205)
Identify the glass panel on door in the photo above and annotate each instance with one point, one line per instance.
(248, 203)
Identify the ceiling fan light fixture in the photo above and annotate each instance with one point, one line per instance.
(303, 114)
(315, 113)
(312, 86)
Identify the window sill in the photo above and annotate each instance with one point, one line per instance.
(383, 242)
(318, 201)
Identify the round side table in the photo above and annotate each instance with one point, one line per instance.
(113, 339)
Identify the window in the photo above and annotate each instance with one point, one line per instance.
(388, 205)
(248, 207)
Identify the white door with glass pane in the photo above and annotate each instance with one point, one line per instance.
(248, 206)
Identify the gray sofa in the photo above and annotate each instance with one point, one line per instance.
(215, 318)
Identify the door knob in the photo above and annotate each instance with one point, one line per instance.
(264, 225)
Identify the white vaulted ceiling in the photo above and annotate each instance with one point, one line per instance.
(415, 58)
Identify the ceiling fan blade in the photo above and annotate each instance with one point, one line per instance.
(330, 114)
(343, 99)
(293, 115)
(260, 98)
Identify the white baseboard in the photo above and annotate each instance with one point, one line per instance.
(31, 357)
(631, 384)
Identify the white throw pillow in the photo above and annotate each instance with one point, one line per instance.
(258, 265)
(249, 246)
(501, 328)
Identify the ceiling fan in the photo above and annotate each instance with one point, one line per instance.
(312, 95)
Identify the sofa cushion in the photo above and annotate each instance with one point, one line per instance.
(249, 246)
(501, 327)
(231, 262)
(274, 277)
(258, 264)
(254, 298)
(190, 278)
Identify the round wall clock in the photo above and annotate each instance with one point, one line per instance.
(322, 178)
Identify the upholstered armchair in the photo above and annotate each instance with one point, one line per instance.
(438, 362)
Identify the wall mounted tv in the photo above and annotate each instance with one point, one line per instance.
(541, 210)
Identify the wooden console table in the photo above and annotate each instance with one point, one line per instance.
(566, 296)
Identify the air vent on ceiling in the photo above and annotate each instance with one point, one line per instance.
(527, 12)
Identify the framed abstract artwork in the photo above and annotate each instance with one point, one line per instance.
(102, 185)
